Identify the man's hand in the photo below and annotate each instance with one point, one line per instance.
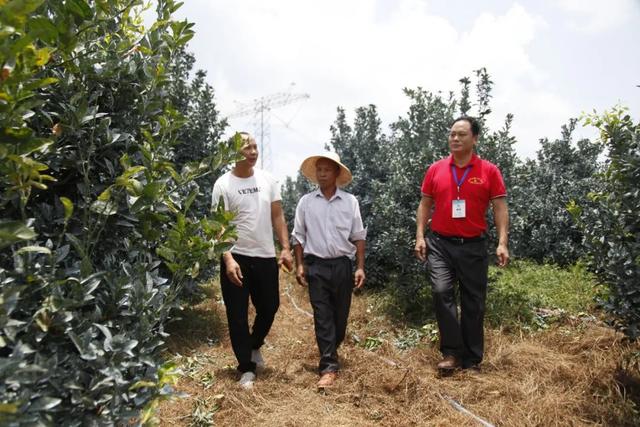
(359, 278)
(302, 281)
(503, 255)
(234, 274)
(286, 259)
(421, 249)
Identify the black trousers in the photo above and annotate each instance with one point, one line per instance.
(260, 283)
(466, 263)
(330, 287)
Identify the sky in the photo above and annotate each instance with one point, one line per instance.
(550, 60)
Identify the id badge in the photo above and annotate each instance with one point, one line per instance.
(459, 209)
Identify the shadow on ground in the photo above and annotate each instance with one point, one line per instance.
(196, 325)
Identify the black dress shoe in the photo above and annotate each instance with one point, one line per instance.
(449, 363)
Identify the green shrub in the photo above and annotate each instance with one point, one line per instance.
(515, 298)
(610, 222)
(541, 228)
(96, 235)
(409, 301)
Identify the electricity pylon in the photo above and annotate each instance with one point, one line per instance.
(260, 109)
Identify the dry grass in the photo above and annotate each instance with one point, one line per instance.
(569, 375)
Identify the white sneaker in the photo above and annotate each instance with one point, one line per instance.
(246, 380)
(256, 357)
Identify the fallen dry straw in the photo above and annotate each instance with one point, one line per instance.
(570, 375)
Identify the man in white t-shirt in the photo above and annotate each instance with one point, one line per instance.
(249, 268)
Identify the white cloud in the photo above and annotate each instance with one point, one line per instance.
(595, 16)
(353, 53)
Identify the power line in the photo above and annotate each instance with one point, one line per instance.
(260, 109)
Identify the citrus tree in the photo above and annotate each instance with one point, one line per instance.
(97, 237)
(610, 221)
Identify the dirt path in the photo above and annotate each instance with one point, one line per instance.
(568, 376)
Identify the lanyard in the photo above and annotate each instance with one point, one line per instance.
(455, 176)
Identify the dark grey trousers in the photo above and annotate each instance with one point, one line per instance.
(448, 263)
(330, 287)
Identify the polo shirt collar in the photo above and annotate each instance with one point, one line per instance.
(474, 159)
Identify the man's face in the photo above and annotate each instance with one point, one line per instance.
(249, 151)
(326, 172)
(461, 139)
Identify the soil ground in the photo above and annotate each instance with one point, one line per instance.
(575, 373)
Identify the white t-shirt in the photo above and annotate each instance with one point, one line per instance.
(250, 199)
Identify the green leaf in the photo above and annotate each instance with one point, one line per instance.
(192, 196)
(195, 270)
(142, 384)
(68, 207)
(37, 84)
(105, 195)
(147, 413)
(61, 253)
(34, 249)
(16, 12)
(90, 117)
(16, 134)
(35, 144)
(42, 28)
(104, 207)
(80, 8)
(166, 253)
(77, 245)
(42, 56)
(44, 403)
(91, 283)
(14, 231)
(152, 190)
(134, 170)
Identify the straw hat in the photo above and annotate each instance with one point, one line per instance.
(308, 168)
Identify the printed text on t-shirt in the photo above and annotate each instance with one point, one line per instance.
(249, 190)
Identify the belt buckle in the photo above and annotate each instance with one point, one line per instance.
(459, 240)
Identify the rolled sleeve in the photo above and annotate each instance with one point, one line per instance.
(358, 232)
(275, 191)
(359, 235)
(427, 183)
(498, 188)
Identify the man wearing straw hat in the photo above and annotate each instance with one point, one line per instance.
(327, 234)
(249, 269)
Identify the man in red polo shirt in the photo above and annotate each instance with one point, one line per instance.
(456, 193)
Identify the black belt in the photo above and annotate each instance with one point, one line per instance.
(313, 258)
(460, 240)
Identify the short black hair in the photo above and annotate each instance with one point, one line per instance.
(475, 124)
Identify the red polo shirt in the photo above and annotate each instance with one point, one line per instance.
(483, 183)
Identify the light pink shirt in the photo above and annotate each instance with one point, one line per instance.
(328, 228)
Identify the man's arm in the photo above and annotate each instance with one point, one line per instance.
(298, 251)
(359, 277)
(234, 273)
(422, 218)
(280, 227)
(298, 238)
(232, 268)
(501, 218)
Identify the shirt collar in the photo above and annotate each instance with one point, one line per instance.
(473, 161)
(338, 195)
